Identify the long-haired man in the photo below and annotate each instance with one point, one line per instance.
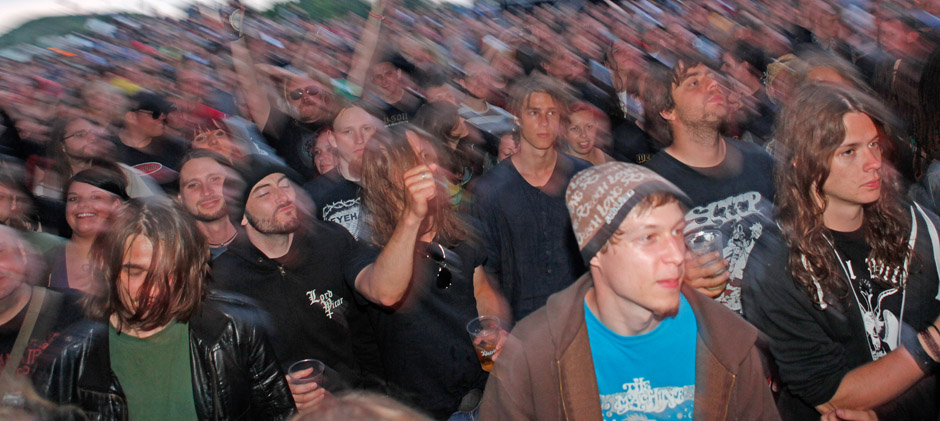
(849, 295)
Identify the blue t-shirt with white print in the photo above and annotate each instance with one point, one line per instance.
(649, 376)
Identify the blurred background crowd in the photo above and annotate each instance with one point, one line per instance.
(120, 113)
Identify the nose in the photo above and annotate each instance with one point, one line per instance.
(674, 252)
(872, 159)
(206, 189)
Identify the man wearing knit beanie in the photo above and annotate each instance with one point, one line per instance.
(628, 339)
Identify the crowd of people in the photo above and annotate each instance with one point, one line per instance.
(190, 207)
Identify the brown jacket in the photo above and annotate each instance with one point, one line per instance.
(545, 371)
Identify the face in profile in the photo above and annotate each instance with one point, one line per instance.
(83, 140)
(855, 167)
(643, 263)
(507, 147)
(13, 262)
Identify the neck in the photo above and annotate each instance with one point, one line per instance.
(78, 164)
(81, 242)
(12, 304)
(535, 165)
(476, 104)
(594, 156)
(349, 170)
(623, 317)
(134, 139)
(395, 96)
(701, 147)
(272, 245)
(137, 333)
(218, 232)
(843, 217)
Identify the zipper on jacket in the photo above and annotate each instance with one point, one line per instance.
(561, 389)
(215, 387)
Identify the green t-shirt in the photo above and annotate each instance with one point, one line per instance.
(155, 373)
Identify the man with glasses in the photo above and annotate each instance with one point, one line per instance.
(291, 132)
(141, 142)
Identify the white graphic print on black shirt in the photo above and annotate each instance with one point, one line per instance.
(879, 304)
(740, 219)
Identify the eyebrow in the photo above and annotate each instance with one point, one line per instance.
(187, 180)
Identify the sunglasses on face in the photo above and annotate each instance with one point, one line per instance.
(437, 254)
(297, 94)
(153, 114)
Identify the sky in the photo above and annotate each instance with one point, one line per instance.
(17, 12)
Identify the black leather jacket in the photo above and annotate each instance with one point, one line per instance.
(235, 373)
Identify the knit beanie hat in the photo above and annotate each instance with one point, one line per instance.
(600, 197)
(254, 169)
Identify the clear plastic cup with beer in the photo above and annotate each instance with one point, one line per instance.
(485, 332)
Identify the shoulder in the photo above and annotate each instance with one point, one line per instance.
(751, 150)
(497, 178)
(728, 336)
(222, 310)
(574, 165)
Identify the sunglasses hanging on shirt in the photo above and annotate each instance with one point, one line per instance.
(438, 254)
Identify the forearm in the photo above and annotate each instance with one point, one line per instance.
(489, 300)
(255, 96)
(385, 281)
(894, 373)
(362, 56)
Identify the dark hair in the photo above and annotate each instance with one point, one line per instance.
(808, 134)
(107, 176)
(204, 153)
(537, 83)
(927, 121)
(746, 52)
(176, 277)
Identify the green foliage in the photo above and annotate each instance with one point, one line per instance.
(322, 9)
(31, 31)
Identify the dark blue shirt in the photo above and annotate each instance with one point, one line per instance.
(530, 245)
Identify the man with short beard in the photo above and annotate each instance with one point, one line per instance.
(202, 175)
(300, 270)
(291, 132)
(728, 181)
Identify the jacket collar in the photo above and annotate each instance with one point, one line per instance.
(719, 354)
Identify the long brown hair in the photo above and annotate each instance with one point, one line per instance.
(389, 155)
(808, 133)
(178, 269)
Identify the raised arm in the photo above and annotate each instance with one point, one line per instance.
(365, 49)
(256, 96)
(386, 281)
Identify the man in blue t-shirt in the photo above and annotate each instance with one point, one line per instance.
(628, 340)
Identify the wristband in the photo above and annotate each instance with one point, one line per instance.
(930, 342)
(909, 339)
(377, 16)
